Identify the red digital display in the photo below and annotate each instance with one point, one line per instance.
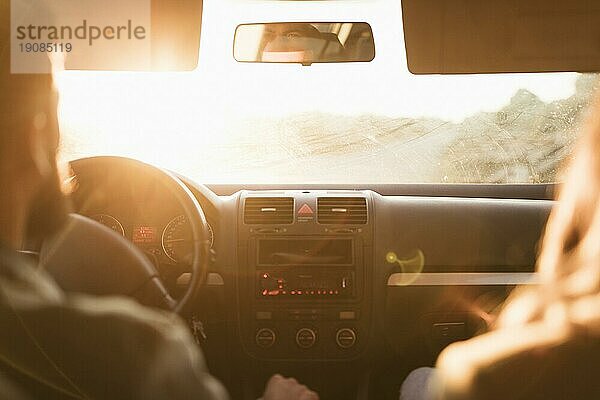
(144, 234)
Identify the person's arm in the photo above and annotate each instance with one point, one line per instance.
(156, 355)
(113, 348)
(499, 362)
(108, 347)
(548, 359)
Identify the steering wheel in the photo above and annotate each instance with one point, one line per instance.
(87, 257)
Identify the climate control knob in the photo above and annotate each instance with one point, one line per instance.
(265, 337)
(345, 338)
(306, 338)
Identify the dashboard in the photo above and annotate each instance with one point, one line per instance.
(320, 277)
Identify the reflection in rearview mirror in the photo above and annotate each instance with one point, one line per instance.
(304, 42)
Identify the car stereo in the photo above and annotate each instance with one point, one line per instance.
(305, 268)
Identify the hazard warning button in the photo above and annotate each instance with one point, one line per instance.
(305, 210)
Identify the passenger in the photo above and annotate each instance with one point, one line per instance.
(546, 342)
(53, 345)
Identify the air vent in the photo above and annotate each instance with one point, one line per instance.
(269, 210)
(342, 210)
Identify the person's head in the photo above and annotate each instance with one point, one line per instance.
(30, 190)
(294, 42)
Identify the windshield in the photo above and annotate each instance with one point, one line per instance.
(230, 122)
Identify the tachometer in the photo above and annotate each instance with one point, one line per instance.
(177, 239)
(110, 222)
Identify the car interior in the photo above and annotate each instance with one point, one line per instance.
(370, 240)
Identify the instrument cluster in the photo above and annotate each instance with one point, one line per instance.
(170, 242)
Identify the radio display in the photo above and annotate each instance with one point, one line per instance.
(305, 252)
(305, 283)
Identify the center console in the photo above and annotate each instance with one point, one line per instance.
(304, 279)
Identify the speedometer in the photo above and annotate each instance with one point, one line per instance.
(177, 239)
(110, 222)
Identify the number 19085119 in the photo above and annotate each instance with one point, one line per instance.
(45, 47)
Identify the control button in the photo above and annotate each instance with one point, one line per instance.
(345, 338)
(306, 338)
(347, 315)
(264, 315)
(265, 337)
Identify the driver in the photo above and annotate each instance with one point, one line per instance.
(54, 345)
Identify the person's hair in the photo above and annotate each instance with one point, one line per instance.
(569, 262)
(23, 97)
(570, 258)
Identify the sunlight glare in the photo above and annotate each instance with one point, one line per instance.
(182, 120)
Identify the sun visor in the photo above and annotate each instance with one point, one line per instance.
(474, 36)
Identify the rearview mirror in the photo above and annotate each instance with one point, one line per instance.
(304, 42)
